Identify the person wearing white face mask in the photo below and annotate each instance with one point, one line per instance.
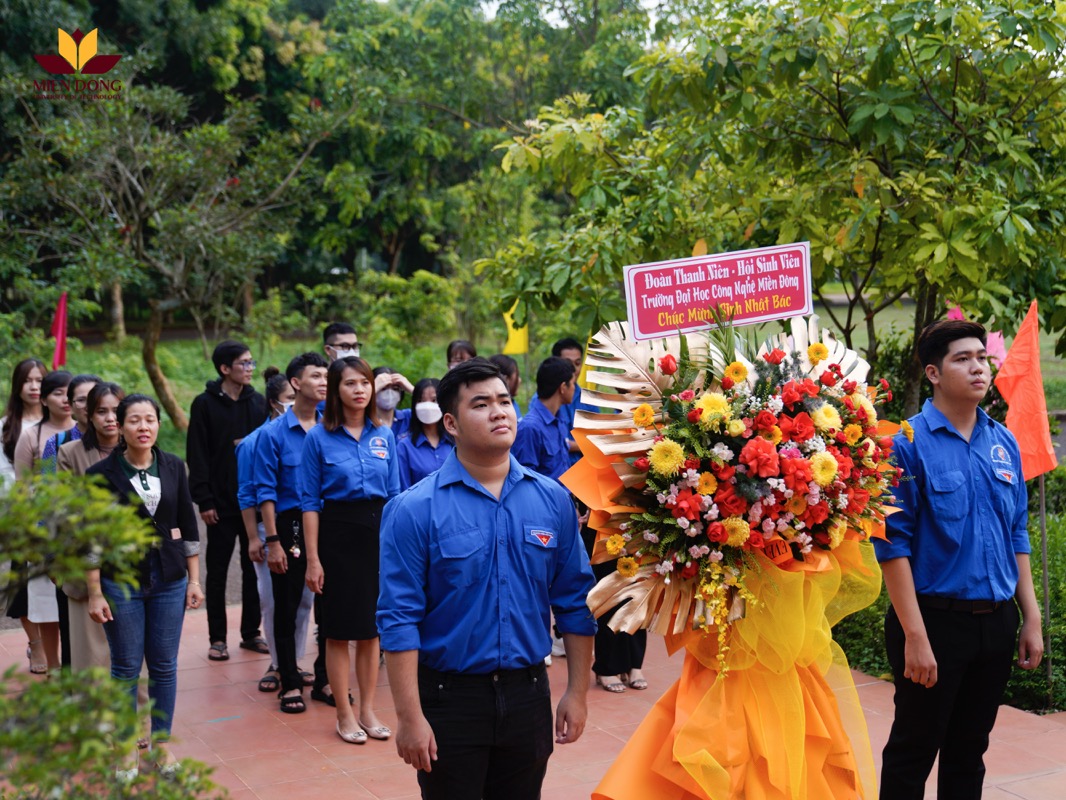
(389, 389)
(427, 443)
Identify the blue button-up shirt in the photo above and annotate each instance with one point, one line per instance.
(567, 414)
(418, 458)
(277, 457)
(245, 461)
(541, 441)
(468, 580)
(964, 508)
(337, 466)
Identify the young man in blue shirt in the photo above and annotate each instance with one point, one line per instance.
(277, 459)
(541, 442)
(473, 559)
(956, 566)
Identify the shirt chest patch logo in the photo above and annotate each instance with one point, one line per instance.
(544, 537)
(1005, 475)
(1000, 455)
(379, 447)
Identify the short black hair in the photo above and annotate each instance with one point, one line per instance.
(275, 382)
(935, 338)
(457, 346)
(227, 352)
(473, 371)
(567, 343)
(302, 362)
(132, 400)
(551, 374)
(80, 380)
(508, 366)
(335, 329)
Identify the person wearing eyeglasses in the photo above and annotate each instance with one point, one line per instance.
(227, 411)
(339, 341)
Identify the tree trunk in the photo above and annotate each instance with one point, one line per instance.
(155, 372)
(118, 314)
(925, 312)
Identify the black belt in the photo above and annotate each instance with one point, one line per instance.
(500, 676)
(964, 606)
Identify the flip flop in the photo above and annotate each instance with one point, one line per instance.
(271, 681)
(614, 687)
(218, 652)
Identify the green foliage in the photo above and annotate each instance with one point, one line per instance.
(75, 521)
(64, 737)
(268, 321)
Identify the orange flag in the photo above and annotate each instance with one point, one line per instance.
(1022, 386)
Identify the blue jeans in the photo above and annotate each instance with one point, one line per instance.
(147, 628)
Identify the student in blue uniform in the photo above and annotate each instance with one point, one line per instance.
(473, 560)
(541, 441)
(427, 444)
(956, 566)
(347, 473)
(512, 377)
(277, 459)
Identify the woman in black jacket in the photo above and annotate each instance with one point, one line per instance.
(144, 623)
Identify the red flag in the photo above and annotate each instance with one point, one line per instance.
(1022, 386)
(59, 330)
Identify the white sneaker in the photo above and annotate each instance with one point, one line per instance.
(547, 661)
(558, 649)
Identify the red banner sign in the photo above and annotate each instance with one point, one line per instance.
(749, 286)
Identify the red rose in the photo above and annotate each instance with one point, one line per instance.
(822, 538)
(694, 415)
(729, 503)
(642, 464)
(692, 463)
(755, 540)
(816, 514)
(775, 356)
(687, 505)
(797, 473)
(716, 532)
(727, 382)
(764, 421)
(857, 500)
(841, 437)
(809, 387)
(849, 387)
(828, 379)
(802, 427)
(723, 472)
(761, 457)
(790, 394)
(668, 364)
(690, 569)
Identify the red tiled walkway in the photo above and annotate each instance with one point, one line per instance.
(259, 752)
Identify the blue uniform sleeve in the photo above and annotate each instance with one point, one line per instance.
(901, 525)
(265, 469)
(309, 473)
(392, 487)
(403, 576)
(572, 580)
(1019, 526)
(245, 461)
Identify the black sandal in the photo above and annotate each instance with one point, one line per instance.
(271, 681)
(293, 705)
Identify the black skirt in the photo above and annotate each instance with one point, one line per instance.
(348, 547)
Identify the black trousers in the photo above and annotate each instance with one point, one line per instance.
(221, 538)
(493, 734)
(955, 717)
(616, 653)
(288, 588)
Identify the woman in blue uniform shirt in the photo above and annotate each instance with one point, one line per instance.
(427, 444)
(348, 471)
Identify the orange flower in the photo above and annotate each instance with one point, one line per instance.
(761, 457)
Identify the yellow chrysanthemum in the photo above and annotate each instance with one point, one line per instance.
(615, 544)
(824, 468)
(776, 435)
(836, 533)
(627, 566)
(861, 399)
(643, 415)
(817, 353)
(735, 427)
(826, 418)
(853, 433)
(715, 410)
(908, 431)
(708, 483)
(738, 530)
(737, 372)
(666, 457)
